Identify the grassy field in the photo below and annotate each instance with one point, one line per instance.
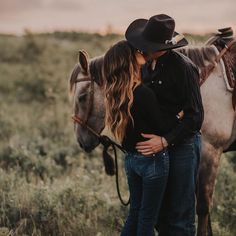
(48, 186)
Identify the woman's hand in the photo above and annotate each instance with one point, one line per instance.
(181, 114)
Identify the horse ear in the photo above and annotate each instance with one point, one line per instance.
(83, 60)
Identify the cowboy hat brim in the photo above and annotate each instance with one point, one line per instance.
(134, 35)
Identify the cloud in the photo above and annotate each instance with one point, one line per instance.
(66, 5)
(18, 6)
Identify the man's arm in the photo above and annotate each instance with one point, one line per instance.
(193, 108)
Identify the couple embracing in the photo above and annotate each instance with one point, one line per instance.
(154, 108)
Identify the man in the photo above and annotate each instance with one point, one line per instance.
(174, 79)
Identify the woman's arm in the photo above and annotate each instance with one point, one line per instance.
(149, 106)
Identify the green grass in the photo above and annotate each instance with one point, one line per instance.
(48, 186)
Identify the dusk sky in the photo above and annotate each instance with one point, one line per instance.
(96, 15)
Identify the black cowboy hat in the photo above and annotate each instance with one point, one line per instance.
(155, 34)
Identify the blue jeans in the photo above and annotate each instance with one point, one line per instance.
(147, 178)
(177, 215)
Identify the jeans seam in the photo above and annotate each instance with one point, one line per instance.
(154, 171)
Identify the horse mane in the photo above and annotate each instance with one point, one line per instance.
(201, 56)
(205, 55)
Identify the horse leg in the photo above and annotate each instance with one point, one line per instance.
(206, 183)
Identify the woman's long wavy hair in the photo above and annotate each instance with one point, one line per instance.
(122, 75)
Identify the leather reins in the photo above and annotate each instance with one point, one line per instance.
(208, 69)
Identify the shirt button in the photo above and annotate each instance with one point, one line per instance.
(152, 82)
(159, 82)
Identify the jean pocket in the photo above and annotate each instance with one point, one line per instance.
(159, 166)
(184, 153)
(147, 169)
(162, 164)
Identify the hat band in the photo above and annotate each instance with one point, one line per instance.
(175, 39)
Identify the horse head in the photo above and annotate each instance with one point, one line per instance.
(85, 85)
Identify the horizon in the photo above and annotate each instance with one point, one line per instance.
(98, 32)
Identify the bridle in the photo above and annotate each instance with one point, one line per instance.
(91, 96)
(77, 119)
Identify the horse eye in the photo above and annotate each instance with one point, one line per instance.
(82, 97)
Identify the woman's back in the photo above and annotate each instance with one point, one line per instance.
(147, 117)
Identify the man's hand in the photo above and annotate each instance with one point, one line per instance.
(181, 114)
(151, 146)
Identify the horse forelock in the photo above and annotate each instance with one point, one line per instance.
(96, 71)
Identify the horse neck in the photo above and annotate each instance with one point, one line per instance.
(201, 56)
(205, 55)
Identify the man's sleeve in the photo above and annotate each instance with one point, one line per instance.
(193, 109)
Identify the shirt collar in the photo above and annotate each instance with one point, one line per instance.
(162, 59)
(159, 61)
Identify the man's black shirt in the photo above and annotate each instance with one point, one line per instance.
(175, 82)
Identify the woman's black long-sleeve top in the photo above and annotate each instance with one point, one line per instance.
(148, 118)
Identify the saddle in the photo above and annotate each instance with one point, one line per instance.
(220, 40)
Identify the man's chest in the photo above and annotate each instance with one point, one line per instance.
(165, 84)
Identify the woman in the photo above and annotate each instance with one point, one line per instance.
(132, 109)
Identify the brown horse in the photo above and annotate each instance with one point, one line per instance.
(218, 130)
